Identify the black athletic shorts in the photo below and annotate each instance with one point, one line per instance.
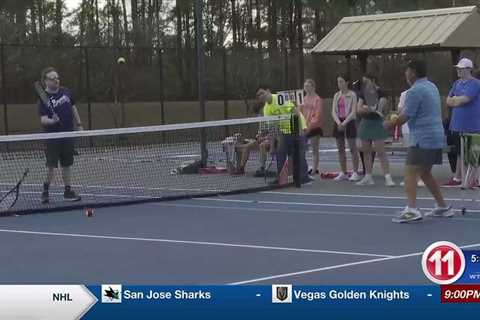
(423, 157)
(60, 151)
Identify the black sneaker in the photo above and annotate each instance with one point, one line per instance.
(270, 174)
(274, 183)
(307, 181)
(45, 197)
(260, 173)
(70, 195)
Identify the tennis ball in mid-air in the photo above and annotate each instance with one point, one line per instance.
(121, 60)
(89, 212)
(394, 117)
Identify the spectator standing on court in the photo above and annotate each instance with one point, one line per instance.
(464, 99)
(423, 113)
(344, 109)
(64, 118)
(287, 139)
(312, 110)
(371, 103)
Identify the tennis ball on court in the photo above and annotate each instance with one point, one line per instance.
(89, 212)
(393, 117)
(121, 60)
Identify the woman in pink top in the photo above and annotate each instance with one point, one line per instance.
(312, 110)
(344, 113)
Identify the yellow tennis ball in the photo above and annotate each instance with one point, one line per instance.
(393, 117)
(121, 60)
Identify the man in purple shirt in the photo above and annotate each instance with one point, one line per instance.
(61, 116)
(464, 99)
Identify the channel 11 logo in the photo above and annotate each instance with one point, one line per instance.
(443, 262)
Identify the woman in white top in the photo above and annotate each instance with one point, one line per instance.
(344, 111)
(406, 131)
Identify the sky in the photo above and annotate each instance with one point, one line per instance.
(71, 4)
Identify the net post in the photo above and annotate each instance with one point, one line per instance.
(296, 151)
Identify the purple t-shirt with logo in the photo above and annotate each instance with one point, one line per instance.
(62, 102)
(466, 118)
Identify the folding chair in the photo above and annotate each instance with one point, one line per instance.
(470, 157)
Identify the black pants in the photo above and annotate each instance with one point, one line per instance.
(287, 148)
(453, 141)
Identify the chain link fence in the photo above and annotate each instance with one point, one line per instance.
(159, 86)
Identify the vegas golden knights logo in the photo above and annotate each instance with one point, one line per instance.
(282, 293)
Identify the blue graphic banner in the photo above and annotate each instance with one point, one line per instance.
(471, 275)
(218, 302)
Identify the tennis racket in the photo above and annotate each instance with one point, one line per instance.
(42, 95)
(8, 200)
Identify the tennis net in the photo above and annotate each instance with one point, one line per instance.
(134, 165)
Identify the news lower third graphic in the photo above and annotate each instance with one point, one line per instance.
(443, 262)
(453, 273)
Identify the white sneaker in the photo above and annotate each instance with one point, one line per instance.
(389, 181)
(408, 215)
(341, 177)
(354, 177)
(441, 212)
(366, 181)
(420, 183)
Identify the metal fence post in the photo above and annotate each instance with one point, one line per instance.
(225, 90)
(161, 87)
(285, 70)
(202, 90)
(4, 89)
(87, 75)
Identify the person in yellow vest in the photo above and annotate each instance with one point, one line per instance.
(287, 139)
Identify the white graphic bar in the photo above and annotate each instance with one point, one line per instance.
(45, 301)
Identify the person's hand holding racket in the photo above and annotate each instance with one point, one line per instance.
(42, 95)
(54, 119)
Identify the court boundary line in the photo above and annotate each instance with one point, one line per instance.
(340, 213)
(338, 266)
(312, 204)
(190, 242)
(334, 195)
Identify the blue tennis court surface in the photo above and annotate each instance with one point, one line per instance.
(326, 233)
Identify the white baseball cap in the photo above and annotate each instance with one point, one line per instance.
(464, 63)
